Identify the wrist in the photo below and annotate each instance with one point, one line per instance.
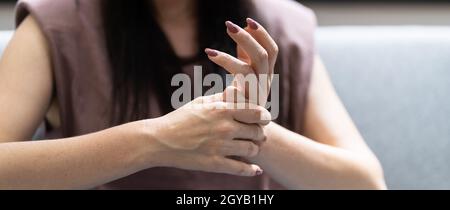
(265, 147)
(147, 146)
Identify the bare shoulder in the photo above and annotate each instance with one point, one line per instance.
(25, 82)
(29, 24)
(29, 34)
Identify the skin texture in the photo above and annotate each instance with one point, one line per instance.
(213, 132)
(337, 157)
(331, 155)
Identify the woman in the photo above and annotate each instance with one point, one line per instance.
(98, 72)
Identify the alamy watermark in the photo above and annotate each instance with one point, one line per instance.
(261, 89)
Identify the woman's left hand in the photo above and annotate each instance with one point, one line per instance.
(256, 54)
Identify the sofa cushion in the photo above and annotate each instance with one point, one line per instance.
(395, 82)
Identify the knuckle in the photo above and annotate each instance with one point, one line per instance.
(262, 130)
(220, 109)
(252, 150)
(226, 129)
(263, 55)
(275, 50)
(259, 133)
(199, 99)
(257, 112)
(255, 132)
(247, 68)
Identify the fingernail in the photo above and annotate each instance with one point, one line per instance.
(252, 24)
(211, 52)
(259, 172)
(233, 28)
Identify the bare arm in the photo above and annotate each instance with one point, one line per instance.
(333, 157)
(74, 163)
(181, 139)
(25, 91)
(25, 63)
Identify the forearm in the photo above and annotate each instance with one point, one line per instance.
(74, 163)
(300, 163)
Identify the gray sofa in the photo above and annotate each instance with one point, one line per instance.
(395, 82)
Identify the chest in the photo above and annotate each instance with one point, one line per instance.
(182, 37)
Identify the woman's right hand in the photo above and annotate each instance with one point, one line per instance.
(203, 134)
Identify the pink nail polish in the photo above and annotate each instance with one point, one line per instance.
(233, 28)
(252, 24)
(211, 52)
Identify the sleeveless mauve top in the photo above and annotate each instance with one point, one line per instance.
(83, 83)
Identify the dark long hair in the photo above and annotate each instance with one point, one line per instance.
(142, 59)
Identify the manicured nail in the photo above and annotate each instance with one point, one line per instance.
(259, 172)
(252, 24)
(233, 28)
(211, 52)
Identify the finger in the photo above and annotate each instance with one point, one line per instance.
(232, 94)
(243, 112)
(239, 148)
(240, 69)
(212, 98)
(252, 114)
(260, 34)
(258, 55)
(263, 37)
(238, 168)
(242, 55)
(207, 102)
(243, 91)
(251, 132)
(228, 62)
